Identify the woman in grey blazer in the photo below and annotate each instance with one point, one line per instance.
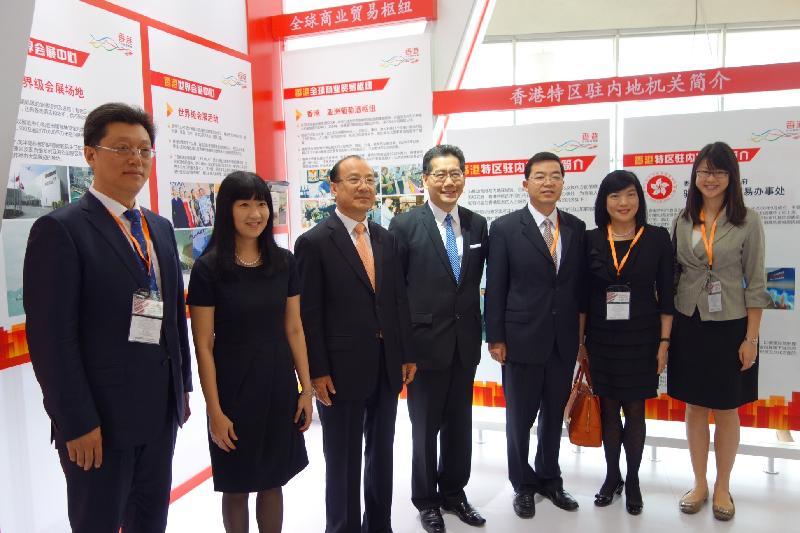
(713, 361)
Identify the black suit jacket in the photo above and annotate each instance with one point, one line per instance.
(442, 311)
(343, 316)
(528, 306)
(80, 274)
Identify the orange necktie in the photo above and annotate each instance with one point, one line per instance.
(365, 252)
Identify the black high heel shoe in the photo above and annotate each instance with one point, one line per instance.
(602, 500)
(633, 498)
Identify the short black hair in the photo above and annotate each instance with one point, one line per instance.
(542, 156)
(615, 182)
(94, 128)
(442, 150)
(242, 185)
(333, 174)
(718, 156)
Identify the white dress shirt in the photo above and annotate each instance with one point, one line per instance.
(118, 210)
(440, 215)
(350, 226)
(539, 218)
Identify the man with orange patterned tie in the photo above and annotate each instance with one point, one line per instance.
(357, 324)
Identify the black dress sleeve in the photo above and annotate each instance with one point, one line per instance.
(664, 279)
(294, 279)
(201, 285)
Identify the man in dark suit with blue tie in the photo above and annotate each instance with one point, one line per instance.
(355, 316)
(534, 293)
(106, 329)
(443, 248)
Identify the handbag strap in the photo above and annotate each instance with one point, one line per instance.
(583, 373)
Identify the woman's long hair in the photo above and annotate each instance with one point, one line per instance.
(242, 185)
(718, 156)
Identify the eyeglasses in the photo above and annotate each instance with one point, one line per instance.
(555, 178)
(355, 181)
(719, 174)
(439, 177)
(127, 152)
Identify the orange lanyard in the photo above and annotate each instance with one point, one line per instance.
(619, 266)
(144, 256)
(555, 237)
(708, 241)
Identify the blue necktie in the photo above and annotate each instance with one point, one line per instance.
(450, 246)
(135, 218)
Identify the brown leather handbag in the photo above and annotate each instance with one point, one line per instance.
(582, 413)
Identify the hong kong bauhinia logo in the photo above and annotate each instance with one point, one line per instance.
(660, 186)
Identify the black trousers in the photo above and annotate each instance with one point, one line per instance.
(532, 390)
(440, 404)
(130, 489)
(344, 424)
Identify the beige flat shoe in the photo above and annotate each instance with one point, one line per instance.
(689, 506)
(723, 513)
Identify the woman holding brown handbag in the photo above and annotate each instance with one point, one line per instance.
(628, 324)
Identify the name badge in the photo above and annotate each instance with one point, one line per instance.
(714, 296)
(618, 302)
(147, 311)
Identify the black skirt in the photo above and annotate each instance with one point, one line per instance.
(623, 371)
(704, 367)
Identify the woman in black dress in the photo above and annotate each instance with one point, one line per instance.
(629, 322)
(248, 336)
(719, 300)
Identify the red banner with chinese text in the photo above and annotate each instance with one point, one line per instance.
(324, 89)
(679, 158)
(347, 17)
(183, 85)
(512, 167)
(754, 78)
(57, 53)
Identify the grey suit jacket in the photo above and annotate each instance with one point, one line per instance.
(738, 265)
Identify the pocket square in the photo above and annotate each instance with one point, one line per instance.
(473, 246)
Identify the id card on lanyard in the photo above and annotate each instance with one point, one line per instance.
(713, 286)
(618, 297)
(147, 309)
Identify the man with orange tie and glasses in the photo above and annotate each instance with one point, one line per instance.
(357, 324)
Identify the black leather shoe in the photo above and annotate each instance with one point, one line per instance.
(466, 513)
(601, 499)
(561, 498)
(432, 520)
(633, 498)
(524, 505)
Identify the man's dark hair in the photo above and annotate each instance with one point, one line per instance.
(542, 156)
(442, 150)
(94, 129)
(718, 156)
(333, 174)
(615, 182)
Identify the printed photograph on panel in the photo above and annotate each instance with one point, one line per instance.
(780, 286)
(35, 190)
(314, 184)
(191, 244)
(193, 204)
(15, 239)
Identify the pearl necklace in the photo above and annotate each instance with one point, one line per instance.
(246, 263)
(623, 235)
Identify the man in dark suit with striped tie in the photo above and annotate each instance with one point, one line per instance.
(106, 328)
(443, 248)
(534, 293)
